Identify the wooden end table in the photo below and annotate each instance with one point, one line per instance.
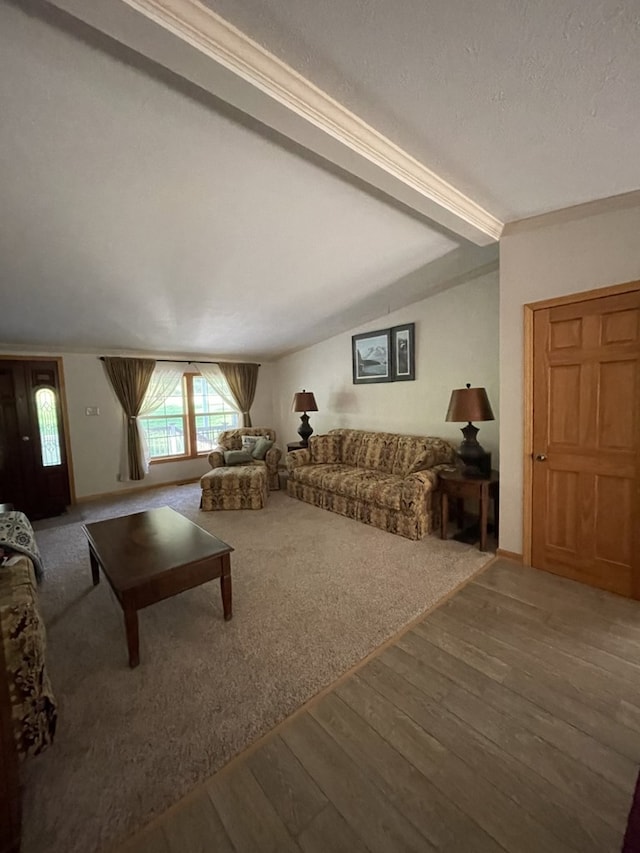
(454, 484)
(153, 555)
(296, 445)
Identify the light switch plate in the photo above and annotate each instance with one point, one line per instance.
(92, 410)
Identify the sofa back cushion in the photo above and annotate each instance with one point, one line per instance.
(231, 439)
(415, 453)
(351, 443)
(392, 453)
(377, 451)
(326, 448)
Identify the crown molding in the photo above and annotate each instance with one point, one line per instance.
(610, 204)
(211, 35)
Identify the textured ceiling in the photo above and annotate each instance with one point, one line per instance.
(136, 215)
(526, 106)
(140, 213)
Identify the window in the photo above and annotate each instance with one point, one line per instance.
(189, 422)
(47, 409)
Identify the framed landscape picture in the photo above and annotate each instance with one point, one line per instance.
(402, 353)
(371, 354)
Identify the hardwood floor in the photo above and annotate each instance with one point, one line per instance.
(506, 720)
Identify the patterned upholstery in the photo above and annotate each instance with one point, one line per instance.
(383, 479)
(235, 487)
(325, 448)
(231, 439)
(22, 634)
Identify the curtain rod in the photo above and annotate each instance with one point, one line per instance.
(191, 361)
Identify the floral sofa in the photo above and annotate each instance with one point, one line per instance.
(22, 635)
(381, 478)
(28, 712)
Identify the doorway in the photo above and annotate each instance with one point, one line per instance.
(582, 441)
(34, 464)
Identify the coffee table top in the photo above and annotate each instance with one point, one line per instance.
(132, 549)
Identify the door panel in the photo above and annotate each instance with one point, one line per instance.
(564, 401)
(12, 480)
(586, 434)
(563, 525)
(33, 466)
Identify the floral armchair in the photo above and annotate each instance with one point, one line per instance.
(232, 439)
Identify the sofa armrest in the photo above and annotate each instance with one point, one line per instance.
(216, 457)
(297, 458)
(22, 636)
(416, 486)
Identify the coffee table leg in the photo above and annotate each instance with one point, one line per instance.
(95, 567)
(225, 587)
(131, 624)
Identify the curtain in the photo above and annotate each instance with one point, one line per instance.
(130, 379)
(214, 377)
(164, 381)
(242, 380)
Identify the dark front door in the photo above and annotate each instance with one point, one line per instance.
(34, 475)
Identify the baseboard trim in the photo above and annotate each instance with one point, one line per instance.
(510, 555)
(148, 488)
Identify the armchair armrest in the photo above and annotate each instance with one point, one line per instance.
(297, 458)
(216, 457)
(272, 457)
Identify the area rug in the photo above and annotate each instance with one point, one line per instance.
(313, 593)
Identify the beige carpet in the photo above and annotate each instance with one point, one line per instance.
(313, 594)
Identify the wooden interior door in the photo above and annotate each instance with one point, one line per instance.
(586, 442)
(34, 473)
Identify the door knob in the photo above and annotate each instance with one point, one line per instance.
(540, 457)
(26, 438)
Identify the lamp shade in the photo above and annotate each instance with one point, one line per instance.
(469, 404)
(304, 401)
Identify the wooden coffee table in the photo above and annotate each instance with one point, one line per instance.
(152, 555)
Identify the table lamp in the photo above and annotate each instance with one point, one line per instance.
(471, 404)
(304, 402)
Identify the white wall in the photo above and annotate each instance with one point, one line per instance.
(456, 341)
(96, 440)
(550, 257)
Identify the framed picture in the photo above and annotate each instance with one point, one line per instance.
(403, 361)
(371, 354)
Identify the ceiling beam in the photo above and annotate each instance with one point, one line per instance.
(200, 46)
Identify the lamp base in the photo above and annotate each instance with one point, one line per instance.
(305, 429)
(476, 460)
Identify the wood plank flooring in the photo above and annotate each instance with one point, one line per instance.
(508, 719)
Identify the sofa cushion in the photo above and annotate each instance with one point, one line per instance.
(262, 445)
(380, 489)
(325, 448)
(237, 457)
(319, 475)
(357, 483)
(351, 443)
(377, 451)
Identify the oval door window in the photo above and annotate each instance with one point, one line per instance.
(47, 409)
